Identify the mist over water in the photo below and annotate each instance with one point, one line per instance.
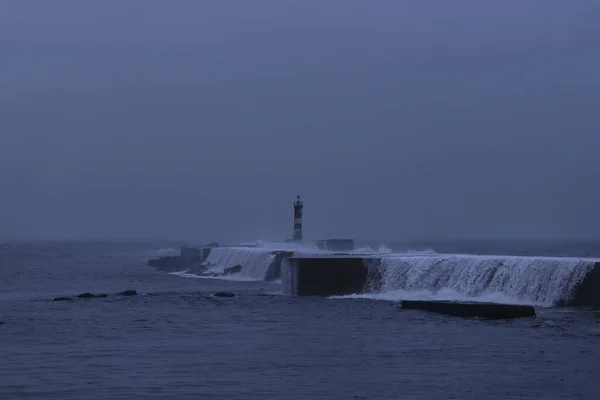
(394, 121)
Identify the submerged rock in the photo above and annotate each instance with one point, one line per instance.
(471, 309)
(128, 292)
(88, 295)
(224, 294)
(63, 298)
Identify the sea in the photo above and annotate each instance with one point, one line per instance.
(175, 340)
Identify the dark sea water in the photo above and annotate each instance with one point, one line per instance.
(175, 341)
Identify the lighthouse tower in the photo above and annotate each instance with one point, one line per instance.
(297, 220)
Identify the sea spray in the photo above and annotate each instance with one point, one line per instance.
(528, 280)
(255, 262)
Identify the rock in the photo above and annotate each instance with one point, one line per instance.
(88, 295)
(471, 309)
(224, 294)
(64, 298)
(128, 292)
(233, 270)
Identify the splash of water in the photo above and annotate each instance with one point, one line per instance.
(527, 280)
(255, 262)
(168, 252)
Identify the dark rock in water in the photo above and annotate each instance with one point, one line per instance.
(233, 270)
(128, 292)
(88, 295)
(64, 298)
(224, 294)
(471, 309)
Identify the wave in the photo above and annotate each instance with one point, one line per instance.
(444, 294)
(542, 281)
(280, 246)
(383, 249)
(167, 252)
(234, 278)
(369, 250)
(254, 262)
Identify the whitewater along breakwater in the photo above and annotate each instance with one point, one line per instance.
(243, 262)
(540, 281)
(312, 271)
(257, 261)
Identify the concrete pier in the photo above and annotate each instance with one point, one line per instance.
(341, 273)
(344, 274)
(587, 292)
(190, 258)
(325, 275)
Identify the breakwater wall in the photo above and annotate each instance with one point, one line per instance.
(242, 261)
(540, 281)
(545, 281)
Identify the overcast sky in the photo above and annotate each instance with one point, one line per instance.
(393, 119)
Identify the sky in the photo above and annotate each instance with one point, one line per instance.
(395, 120)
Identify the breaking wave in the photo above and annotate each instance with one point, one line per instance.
(254, 262)
(367, 249)
(281, 246)
(540, 281)
(235, 278)
(167, 252)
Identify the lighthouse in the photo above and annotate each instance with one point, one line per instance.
(297, 220)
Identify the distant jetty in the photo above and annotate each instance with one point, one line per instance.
(196, 260)
(334, 267)
(335, 273)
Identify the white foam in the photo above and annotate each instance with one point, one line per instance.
(234, 278)
(184, 274)
(280, 246)
(167, 252)
(540, 281)
(444, 294)
(367, 249)
(255, 262)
